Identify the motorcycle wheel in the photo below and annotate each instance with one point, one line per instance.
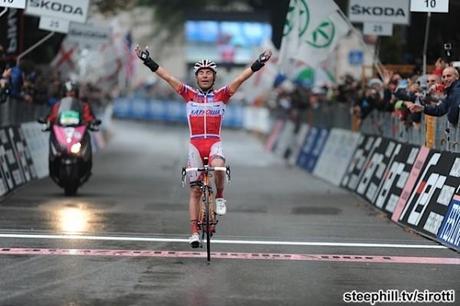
(70, 190)
(71, 181)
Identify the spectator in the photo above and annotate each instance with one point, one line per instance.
(450, 104)
(16, 80)
(4, 85)
(439, 67)
(2, 59)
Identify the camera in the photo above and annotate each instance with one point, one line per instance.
(448, 49)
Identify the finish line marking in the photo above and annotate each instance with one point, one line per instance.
(233, 255)
(220, 241)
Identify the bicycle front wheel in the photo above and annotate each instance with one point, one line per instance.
(207, 226)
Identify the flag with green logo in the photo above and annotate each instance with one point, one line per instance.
(308, 24)
(320, 41)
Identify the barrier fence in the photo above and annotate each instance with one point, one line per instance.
(417, 187)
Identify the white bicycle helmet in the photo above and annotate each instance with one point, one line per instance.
(204, 63)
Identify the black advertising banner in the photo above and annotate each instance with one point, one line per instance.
(10, 35)
(23, 157)
(357, 166)
(372, 179)
(432, 194)
(396, 177)
(6, 158)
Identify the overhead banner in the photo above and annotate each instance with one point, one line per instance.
(20, 4)
(431, 196)
(88, 35)
(70, 10)
(388, 11)
(396, 177)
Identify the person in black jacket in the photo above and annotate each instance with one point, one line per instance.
(450, 104)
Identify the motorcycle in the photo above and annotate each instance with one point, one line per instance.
(70, 150)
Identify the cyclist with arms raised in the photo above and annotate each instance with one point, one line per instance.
(205, 109)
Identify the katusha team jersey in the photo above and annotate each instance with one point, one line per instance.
(205, 110)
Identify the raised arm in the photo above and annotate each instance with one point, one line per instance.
(249, 71)
(144, 56)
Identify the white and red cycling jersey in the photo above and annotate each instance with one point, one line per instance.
(205, 110)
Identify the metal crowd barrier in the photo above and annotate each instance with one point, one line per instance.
(15, 111)
(433, 132)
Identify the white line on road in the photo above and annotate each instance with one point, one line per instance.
(250, 242)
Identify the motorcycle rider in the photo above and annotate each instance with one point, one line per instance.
(71, 89)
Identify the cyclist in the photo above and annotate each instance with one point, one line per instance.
(71, 89)
(205, 109)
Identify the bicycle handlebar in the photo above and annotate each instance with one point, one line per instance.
(209, 169)
(206, 169)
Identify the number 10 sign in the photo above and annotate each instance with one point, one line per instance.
(436, 6)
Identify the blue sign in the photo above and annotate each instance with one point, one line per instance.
(355, 57)
(449, 233)
(312, 147)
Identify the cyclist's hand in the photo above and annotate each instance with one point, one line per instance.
(261, 60)
(265, 56)
(143, 54)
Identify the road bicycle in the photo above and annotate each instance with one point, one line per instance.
(207, 219)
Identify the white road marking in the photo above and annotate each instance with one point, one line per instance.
(222, 241)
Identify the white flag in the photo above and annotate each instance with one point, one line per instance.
(317, 43)
(302, 17)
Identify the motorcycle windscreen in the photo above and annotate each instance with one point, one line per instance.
(70, 112)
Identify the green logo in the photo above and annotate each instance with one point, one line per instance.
(298, 9)
(323, 35)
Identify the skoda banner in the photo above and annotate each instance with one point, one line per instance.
(63, 9)
(388, 11)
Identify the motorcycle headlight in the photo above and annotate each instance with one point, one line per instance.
(75, 148)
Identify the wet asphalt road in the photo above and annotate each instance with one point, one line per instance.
(134, 202)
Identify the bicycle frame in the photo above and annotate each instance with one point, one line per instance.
(208, 217)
